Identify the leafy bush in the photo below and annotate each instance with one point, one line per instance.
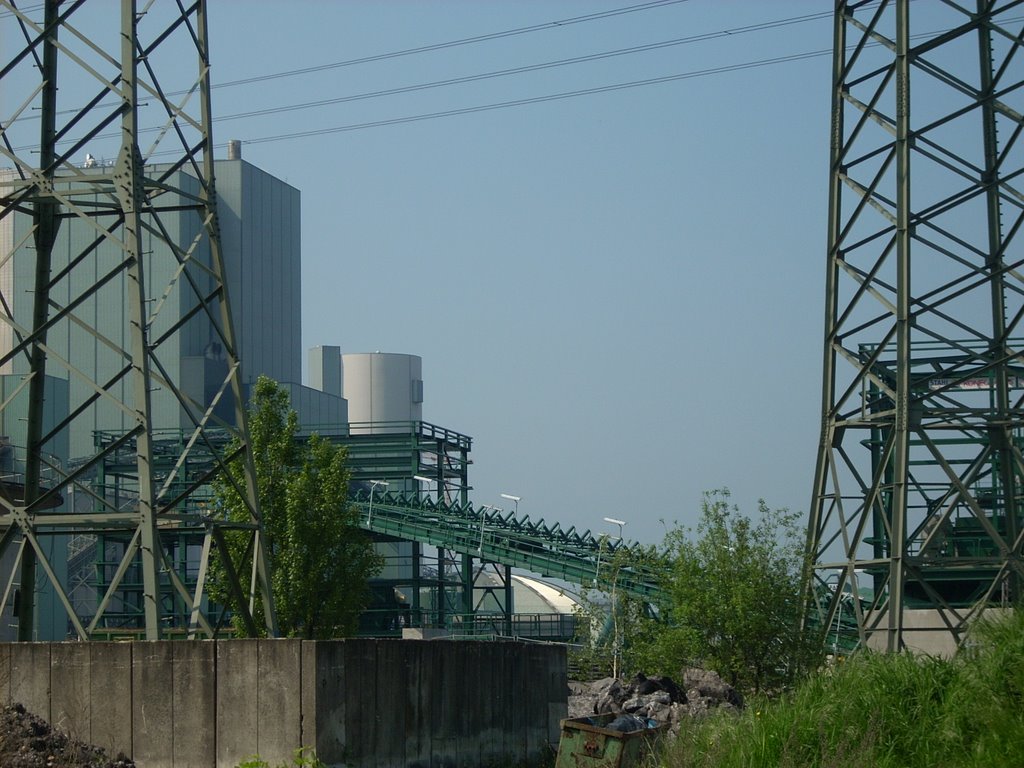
(734, 599)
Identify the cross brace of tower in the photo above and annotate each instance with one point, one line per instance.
(118, 292)
(915, 525)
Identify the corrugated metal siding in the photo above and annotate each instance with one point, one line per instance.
(260, 221)
(268, 282)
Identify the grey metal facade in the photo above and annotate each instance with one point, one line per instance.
(260, 219)
(260, 224)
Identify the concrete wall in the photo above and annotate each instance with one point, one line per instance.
(367, 703)
(925, 630)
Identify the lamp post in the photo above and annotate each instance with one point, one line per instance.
(422, 479)
(515, 500)
(619, 523)
(615, 613)
(373, 487)
(483, 519)
(600, 547)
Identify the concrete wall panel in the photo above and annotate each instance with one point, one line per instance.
(361, 695)
(110, 697)
(237, 683)
(392, 678)
(371, 703)
(194, 696)
(323, 698)
(30, 677)
(279, 697)
(466, 674)
(557, 666)
(153, 704)
(439, 699)
(417, 701)
(70, 681)
(5, 673)
(517, 680)
(538, 693)
(498, 718)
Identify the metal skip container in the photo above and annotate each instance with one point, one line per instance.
(593, 742)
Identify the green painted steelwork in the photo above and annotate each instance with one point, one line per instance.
(441, 590)
(400, 450)
(541, 548)
(920, 469)
(135, 276)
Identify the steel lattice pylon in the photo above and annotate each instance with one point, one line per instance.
(91, 75)
(917, 489)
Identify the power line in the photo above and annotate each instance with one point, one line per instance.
(561, 96)
(454, 43)
(529, 67)
(433, 46)
(481, 38)
(550, 97)
(537, 99)
(703, 37)
(26, 9)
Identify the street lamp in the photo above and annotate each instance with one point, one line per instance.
(600, 547)
(422, 479)
(483, 519)
(616, 639)
(619, 523)
(373, 487)
(514, 499)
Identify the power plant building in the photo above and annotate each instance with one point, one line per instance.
(260, 218)
(260, 234)
(382, 388)
(371, 402)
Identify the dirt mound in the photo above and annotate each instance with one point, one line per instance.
(27, 741)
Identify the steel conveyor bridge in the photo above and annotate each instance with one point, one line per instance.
(503, 538)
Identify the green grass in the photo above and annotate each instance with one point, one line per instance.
(303, 758)
(890, 711)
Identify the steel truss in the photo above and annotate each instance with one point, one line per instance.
(132, 212)
(917, 488)
(495, 536)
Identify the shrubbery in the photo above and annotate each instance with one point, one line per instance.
(896, 711)
(731, 602)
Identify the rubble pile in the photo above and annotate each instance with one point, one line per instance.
(27, 741)
(658, 698)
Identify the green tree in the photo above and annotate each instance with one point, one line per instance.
(320, 560)
(732, 599)
(615, 630)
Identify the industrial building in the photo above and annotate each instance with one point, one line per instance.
(260, 236)
(259, 224)
(372, 402)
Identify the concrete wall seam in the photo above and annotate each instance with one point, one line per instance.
(367, 703)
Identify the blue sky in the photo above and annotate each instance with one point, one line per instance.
(619, 295)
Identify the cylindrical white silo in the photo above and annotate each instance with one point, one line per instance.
(382, 387)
